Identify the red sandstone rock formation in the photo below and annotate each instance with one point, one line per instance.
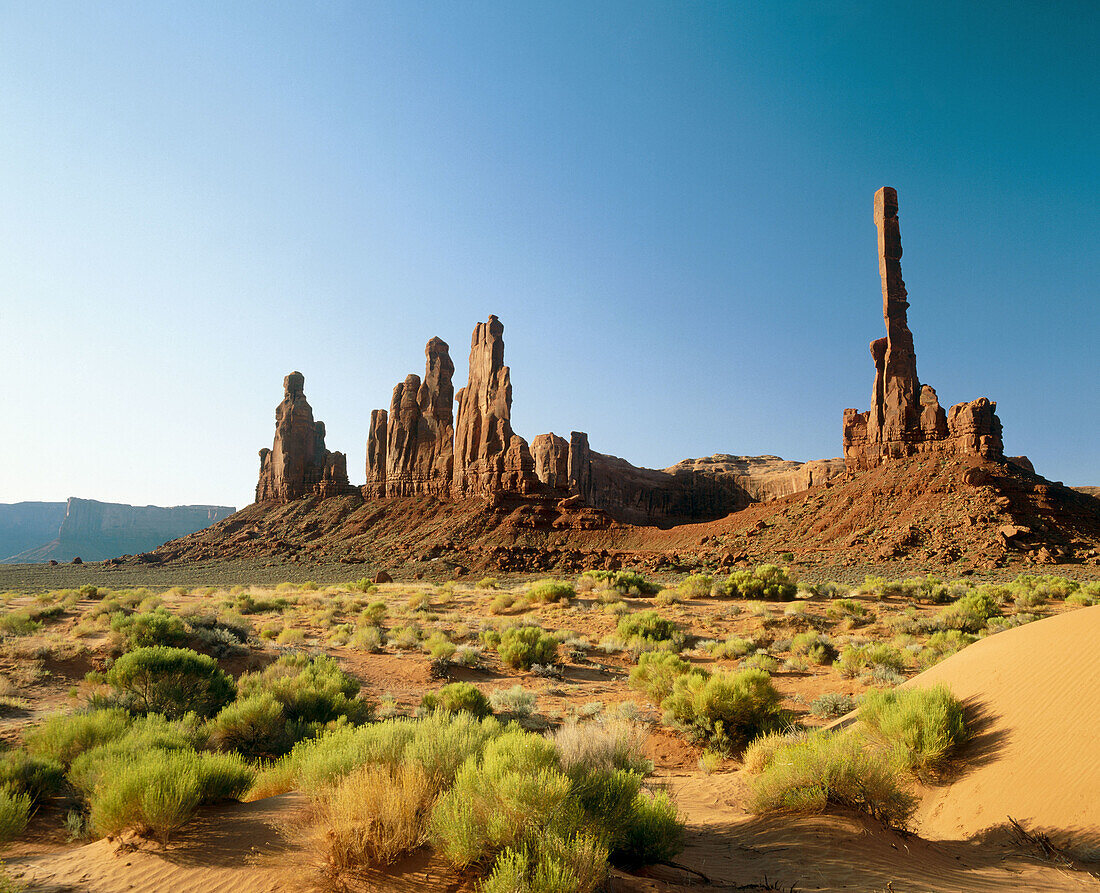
(298, 463)
(551, 455)
(488, 456)
(905, 417)
(376, 455)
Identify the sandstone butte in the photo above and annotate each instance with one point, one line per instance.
(421, 447)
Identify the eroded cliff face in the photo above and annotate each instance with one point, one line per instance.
(905, 417)
(298, 464)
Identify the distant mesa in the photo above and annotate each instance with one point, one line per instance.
(906, 418)
(33, 532)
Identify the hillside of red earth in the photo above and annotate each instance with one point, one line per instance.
(941, 514)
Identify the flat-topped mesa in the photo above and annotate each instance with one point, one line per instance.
(298, 464)
(419, 449)
(905, 417)
(488, 456)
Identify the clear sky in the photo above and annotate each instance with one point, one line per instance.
(667, 204)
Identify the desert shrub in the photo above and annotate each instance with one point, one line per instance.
(695, 586)
(172, 681)
(458, 696)
(815, 647)
(724, 710)
(35, 776)
(847, 608)
(372, 817)
(733, 647)
(767, 582)
(626, 582)
(970, 613)
(312, 691)
(832, 704)
(254, 726)
(855, 659)
(1082, 600)
(1043, 587)
(404, 637)
(516, 701)
(18, 623)
(15, 812)
(158, 791)
(657, 672)
(550, 591)
(64, 737)
(943, 644)
(647, 625)
(759, 753)
(369, 638)
(551, 864)
(363, 584)
(522, 646)
(149, 629)
(419, 601)
(822, 768)
(761, 660)
(487, 583)
(439, 646)
(921, 728)
(602, 746)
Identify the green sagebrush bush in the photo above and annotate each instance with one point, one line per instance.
(458, 696)
(724, 710)
(523, 646)
(171, 681)
(657, 672)
(15, 812)
(64, 737)
(255, 727)
(648, 626)
(921, 728)
(35, 776)
(812, 771)
(767, 582)
(149, 628)
(855, 659)
(970, 613)
(156, 790)
(550, 591)
(626, 582)
(311, 690)
(695, 586)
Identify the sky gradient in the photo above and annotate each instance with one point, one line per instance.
(668, 205)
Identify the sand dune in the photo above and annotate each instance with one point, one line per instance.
(1036, 693)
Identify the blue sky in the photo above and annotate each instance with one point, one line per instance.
(668, 205)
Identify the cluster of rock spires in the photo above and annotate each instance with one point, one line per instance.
(906, 417)
(421, 448)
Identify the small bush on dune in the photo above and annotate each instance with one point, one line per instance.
(657, 672)
(921, 728)
(171, 681)
(159, 791)
(35, 776)
(522, 646)
(943, 644)
(653, 833)
(854, 659)
(847, 608)
(732, 648)
(724, 710)
(18, 623)
(458, 696)
(825, 768)
(372, 817)
(64, 737)
(439, 646)
(832, 705)
(767, 582)
(15, 812)
(255, 727)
